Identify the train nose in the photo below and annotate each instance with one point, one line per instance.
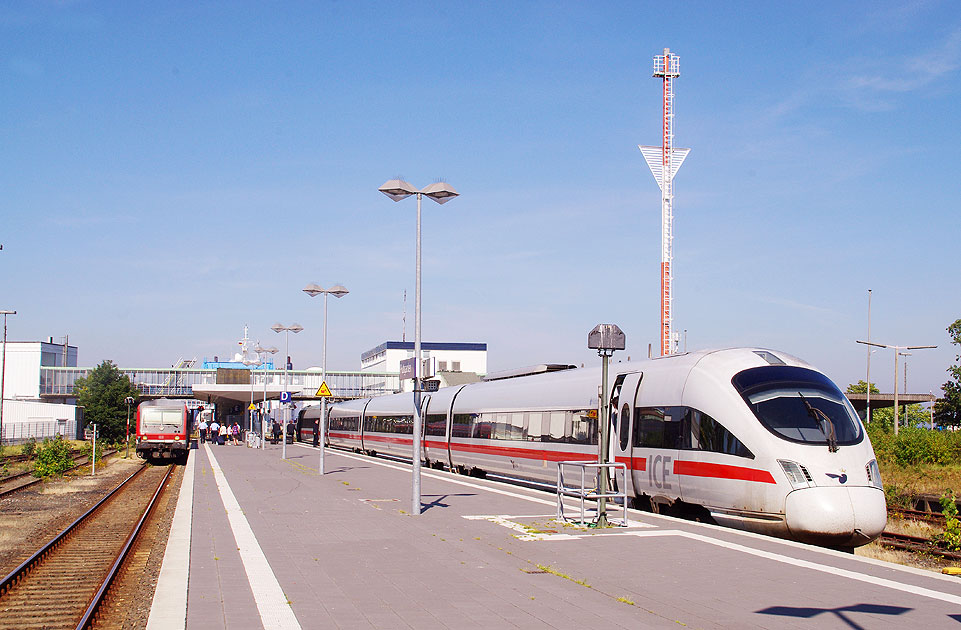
(836, 517)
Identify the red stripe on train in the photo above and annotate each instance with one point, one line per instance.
(721, 471)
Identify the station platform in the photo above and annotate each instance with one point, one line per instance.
(272, 544)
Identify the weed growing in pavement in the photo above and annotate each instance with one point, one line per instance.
(553, 571)
(625, 600)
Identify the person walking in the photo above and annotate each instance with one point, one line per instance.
(223, 435)
(213, 431)
(235, 434)
(202, 427)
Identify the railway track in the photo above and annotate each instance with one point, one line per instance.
(64, 583)
(916, 544)
(935, 518)
(13, 483)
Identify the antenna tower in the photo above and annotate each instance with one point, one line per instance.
(664, 162)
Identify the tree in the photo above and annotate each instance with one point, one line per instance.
(102, 394)
(947, 409)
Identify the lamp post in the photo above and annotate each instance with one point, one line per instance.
(293, 328)
(867, 411)
(337, 291)
(126, 452)
(251, 363)
(605, 338)
(897, 351)
(3, 367)
(263, 404)
(440, 192)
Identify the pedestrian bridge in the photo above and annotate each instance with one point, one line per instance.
(58, 382)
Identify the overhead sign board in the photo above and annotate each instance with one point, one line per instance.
(324, 391)
(285, 397)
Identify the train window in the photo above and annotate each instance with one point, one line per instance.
(704, 433)
(798, 404)
(461, 424)
(625, 428)
(518, 426)
(649, 427)
(535, 420)
(436, 424)
(556, 432)
(584, 427)
(343, 423)
(160, 420)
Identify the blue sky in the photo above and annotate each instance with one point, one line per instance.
(172, 171)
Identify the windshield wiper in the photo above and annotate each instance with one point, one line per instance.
(818, 415)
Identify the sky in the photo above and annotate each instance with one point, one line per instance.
(171, 172)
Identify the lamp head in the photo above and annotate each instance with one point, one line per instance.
(441, 192)
(338, 290)
(397, 189)
(313, 289)
(278, 328)
(295, 328)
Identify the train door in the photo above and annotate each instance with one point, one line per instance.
(623, 395)
(654, 440)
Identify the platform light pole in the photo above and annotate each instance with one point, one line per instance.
(263, 405)
(867, 411)
(897, 352)
(293, 328)
(3, 368)
(605, 338)
(251, 364)
(441, 192)
(338, 291)
(126, 452)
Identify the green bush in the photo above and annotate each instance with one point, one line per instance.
(86, 449)
(29, 448)
(53, 458)
(914, 446)
(951, 538)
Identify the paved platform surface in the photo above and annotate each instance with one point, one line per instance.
(343, 551)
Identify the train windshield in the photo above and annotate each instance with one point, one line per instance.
(157, 420)
(799, 405)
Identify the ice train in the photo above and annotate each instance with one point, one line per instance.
(750, 438)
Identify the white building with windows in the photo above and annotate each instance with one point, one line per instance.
(25, 415)
(443, 358)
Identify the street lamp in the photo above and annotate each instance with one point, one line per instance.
(129, 401)
(251, 363)
(338, 291)
(441, 192)
(263, 411)
(3, 367)
(605, 338)
(897, 351)
(293, 328)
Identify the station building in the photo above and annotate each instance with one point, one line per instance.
(450, 363)
(25, 414)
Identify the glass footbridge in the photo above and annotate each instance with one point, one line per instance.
(58, 382)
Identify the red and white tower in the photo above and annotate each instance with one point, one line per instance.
(664, 162)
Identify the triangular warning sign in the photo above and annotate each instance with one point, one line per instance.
(251, 407)
(324, 391)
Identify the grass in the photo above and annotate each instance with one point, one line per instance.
(920, 479)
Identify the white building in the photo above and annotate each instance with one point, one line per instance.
(448, 357)
(24, 413)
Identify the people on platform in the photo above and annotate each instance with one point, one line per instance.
(275, 431)
(202, 428)
(213, 431)
(223, 434)
(235, 434)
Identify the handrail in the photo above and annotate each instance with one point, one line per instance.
(590, 494)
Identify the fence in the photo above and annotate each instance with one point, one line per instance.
(19, 432)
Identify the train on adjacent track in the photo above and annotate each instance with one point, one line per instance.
(163, 430)
(745, 437)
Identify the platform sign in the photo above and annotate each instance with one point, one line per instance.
(285, 397)
(324, 391)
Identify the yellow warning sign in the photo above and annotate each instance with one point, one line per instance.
(324, 391)
(251, 407)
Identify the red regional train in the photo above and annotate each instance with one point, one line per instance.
(163, 430)
(744, 437)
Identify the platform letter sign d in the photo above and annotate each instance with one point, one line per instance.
(285, 397)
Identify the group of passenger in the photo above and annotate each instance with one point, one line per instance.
(217, 433)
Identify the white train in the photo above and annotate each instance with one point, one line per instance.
(750, 438)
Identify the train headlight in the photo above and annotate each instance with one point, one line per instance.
(874, 473)
(797, 474)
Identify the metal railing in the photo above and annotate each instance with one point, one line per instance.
(179, 382)
(585, 493)
(17, 432)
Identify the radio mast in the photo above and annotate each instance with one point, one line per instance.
(664, 162)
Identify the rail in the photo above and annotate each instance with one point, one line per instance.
(585, 493)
